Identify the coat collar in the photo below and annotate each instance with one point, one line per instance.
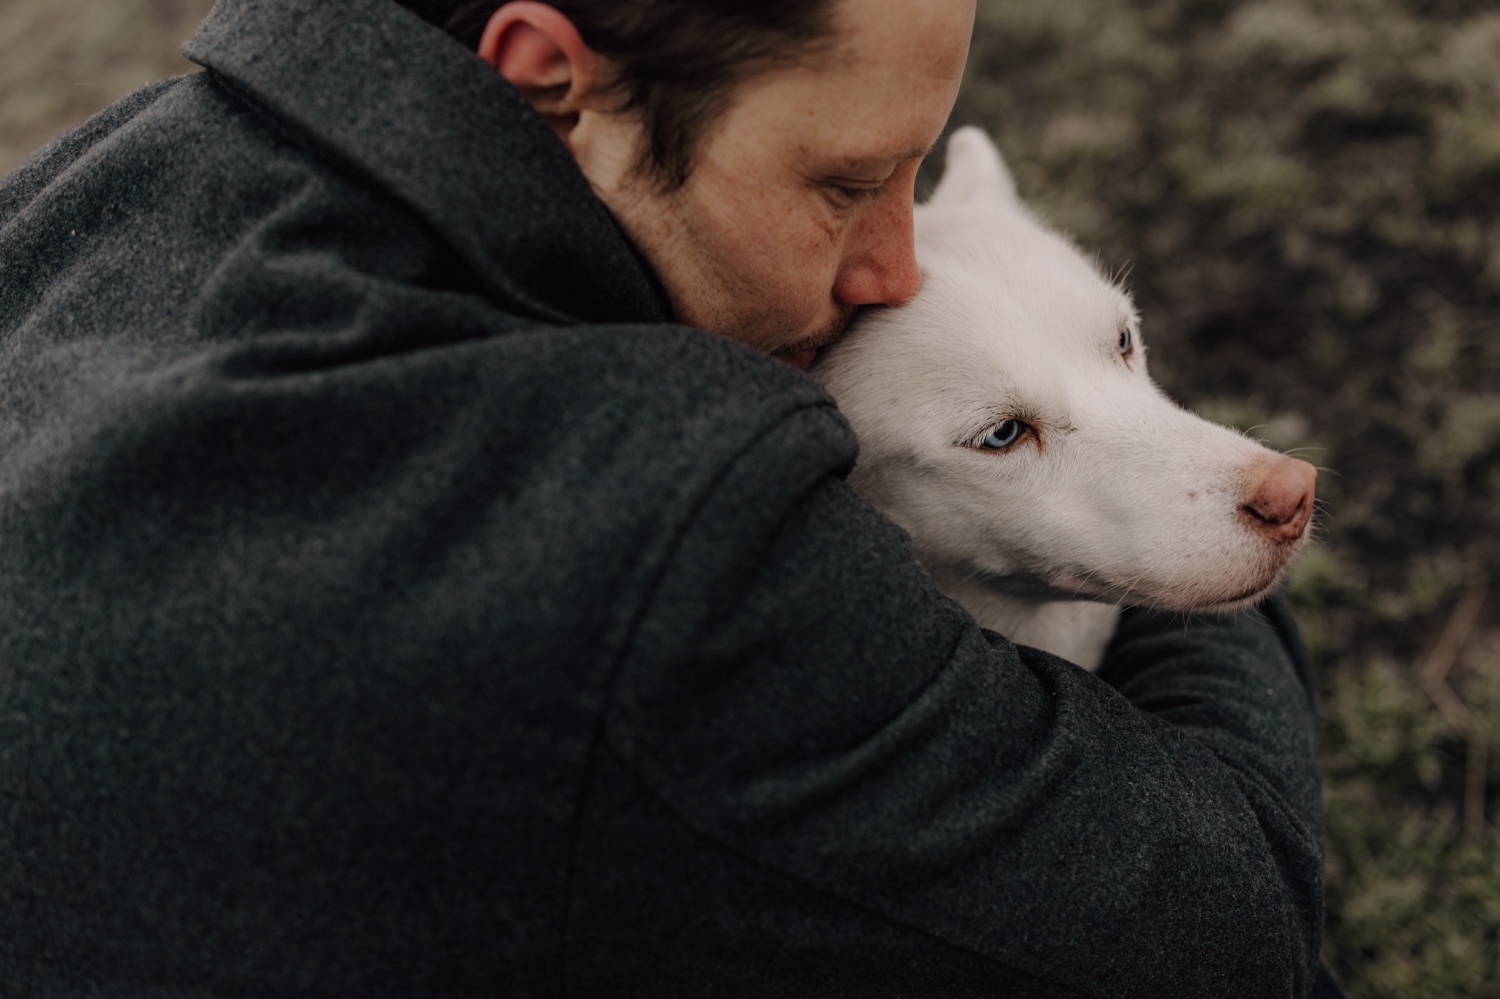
(412, 110)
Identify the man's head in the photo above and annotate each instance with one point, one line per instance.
(762, 156)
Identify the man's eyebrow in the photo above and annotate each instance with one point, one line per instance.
(858, 162)
(914, 153)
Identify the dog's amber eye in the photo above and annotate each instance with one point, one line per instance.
(1004, 435)
(1127, 340)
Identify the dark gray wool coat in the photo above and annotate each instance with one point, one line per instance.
(394, 603)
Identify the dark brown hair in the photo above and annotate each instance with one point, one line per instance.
(674, 62)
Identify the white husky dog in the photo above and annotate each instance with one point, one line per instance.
(1007, 422)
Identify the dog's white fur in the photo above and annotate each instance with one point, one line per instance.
(1112, 495)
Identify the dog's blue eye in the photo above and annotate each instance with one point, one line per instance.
(1004, 435)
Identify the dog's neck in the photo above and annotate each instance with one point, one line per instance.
(1076, 630)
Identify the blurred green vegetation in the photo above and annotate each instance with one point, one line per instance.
(1307, 196)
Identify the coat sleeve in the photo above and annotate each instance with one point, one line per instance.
(891, 796)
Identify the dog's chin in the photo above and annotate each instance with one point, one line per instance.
(1180, 595)
(1179, 600)
(1229, 605)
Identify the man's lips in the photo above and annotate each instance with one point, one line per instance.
(801, 355)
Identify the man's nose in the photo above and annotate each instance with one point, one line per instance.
(880, 259)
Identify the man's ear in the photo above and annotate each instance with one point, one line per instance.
(976, 173)
(541, 53)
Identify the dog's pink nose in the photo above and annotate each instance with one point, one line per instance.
(1282, 503)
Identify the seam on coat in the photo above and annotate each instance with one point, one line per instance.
(657, 575)
(1041, 974)
(759, 862)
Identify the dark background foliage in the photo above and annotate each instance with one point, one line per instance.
(1306, 195)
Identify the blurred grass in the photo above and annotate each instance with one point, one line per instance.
(1307, 193)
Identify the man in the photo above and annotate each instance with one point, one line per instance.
(396, 601)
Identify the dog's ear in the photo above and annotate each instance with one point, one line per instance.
(976, 174)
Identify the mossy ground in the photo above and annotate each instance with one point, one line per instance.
(1306, 195)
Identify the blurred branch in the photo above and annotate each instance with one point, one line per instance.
(1435, 682)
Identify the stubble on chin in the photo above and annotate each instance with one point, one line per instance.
(770, 339)
(830, 332)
